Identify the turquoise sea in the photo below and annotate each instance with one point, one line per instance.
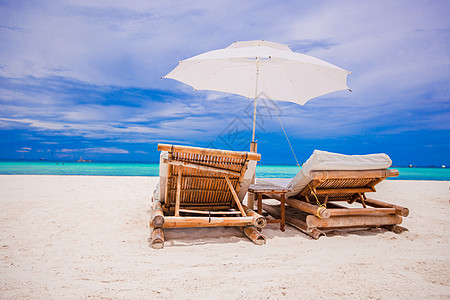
(152, 169)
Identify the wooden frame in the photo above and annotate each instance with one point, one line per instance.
(202, 191)
(273, 192)
(319, 203)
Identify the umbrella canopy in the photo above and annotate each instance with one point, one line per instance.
(266, 69)
(261, 69)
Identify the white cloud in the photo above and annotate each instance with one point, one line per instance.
(137, 43)
(66, 57)
(141, 152)
(133, 44)
(389, 46)
(24, 150)
(103, 150)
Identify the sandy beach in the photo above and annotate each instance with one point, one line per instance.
(85, 237)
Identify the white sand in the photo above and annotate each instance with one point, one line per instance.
(88, 237)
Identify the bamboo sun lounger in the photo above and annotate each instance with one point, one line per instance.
(324, 194)
(202, 187)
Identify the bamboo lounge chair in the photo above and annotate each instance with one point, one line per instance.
(202, 187)
(324, 195)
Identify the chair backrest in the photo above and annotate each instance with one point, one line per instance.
(200, 175)
(343, 185)
(343, 173)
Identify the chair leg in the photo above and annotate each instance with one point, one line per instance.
(283, 212)
(254, 235)
(396, 228)
(157, 238)
(259, 197)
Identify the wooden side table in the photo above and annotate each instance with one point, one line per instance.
(270, 189)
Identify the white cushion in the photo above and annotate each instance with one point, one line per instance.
(328, 161)
(248, 176)
(163, 173)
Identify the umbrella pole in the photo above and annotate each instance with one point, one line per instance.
(253, 145)
(253, 148)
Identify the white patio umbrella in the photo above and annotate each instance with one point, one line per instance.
(261, 69)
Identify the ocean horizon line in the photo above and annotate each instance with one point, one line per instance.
(47, 167)
(443, 166)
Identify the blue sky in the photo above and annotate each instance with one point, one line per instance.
(83, 78)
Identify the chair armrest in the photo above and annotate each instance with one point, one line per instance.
(267, 188)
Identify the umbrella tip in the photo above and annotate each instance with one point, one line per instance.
(350, 90)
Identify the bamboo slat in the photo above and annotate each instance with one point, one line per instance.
(327, 175)
(201, 206)
(182, 222)
(209, 212)
(343, 191)
(201, 167)
(353, 221)
(206, 151)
